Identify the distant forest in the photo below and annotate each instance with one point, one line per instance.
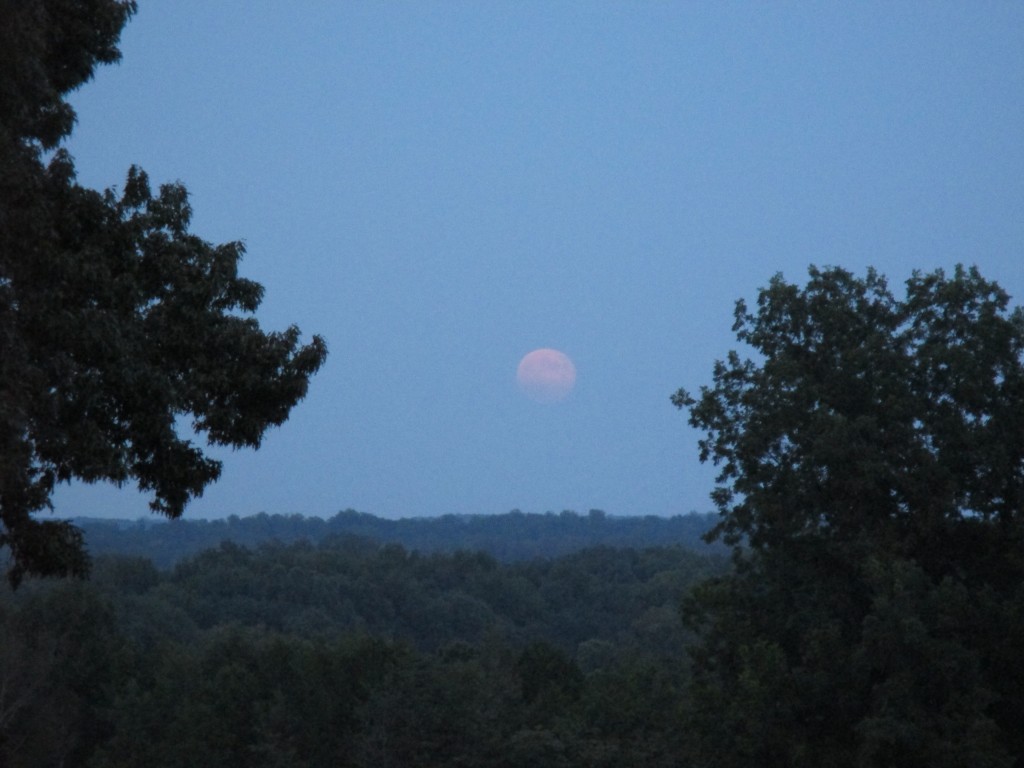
(508, 537)
(350, 651)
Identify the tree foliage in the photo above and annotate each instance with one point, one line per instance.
(508, 537)
(115, 320)
(350, 654)
(871, 463)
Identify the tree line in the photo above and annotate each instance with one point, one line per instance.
(350, 653)
(512, 536)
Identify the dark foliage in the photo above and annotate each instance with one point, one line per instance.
(115, 320)
(872, 457)
(627, 597)
(513, 536)
(353, 654)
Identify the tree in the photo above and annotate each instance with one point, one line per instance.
(872, 483)
(115, 321)
(59, 667)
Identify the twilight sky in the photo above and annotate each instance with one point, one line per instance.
(440, 188)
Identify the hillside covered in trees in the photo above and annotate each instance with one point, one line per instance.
(512, 536)
(351, 653)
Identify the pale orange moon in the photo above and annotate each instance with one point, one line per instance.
(546, 375)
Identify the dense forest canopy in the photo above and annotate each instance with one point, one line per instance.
(350, 653)
(512, 536)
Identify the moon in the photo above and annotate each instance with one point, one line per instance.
(546, 375)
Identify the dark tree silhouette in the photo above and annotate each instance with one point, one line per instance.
(872, 478)
(115, 320)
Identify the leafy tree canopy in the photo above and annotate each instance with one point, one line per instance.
(115, 320)
(871, 475)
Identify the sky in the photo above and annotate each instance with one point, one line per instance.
(439, 188)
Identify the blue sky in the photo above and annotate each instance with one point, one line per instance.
(439, 188)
